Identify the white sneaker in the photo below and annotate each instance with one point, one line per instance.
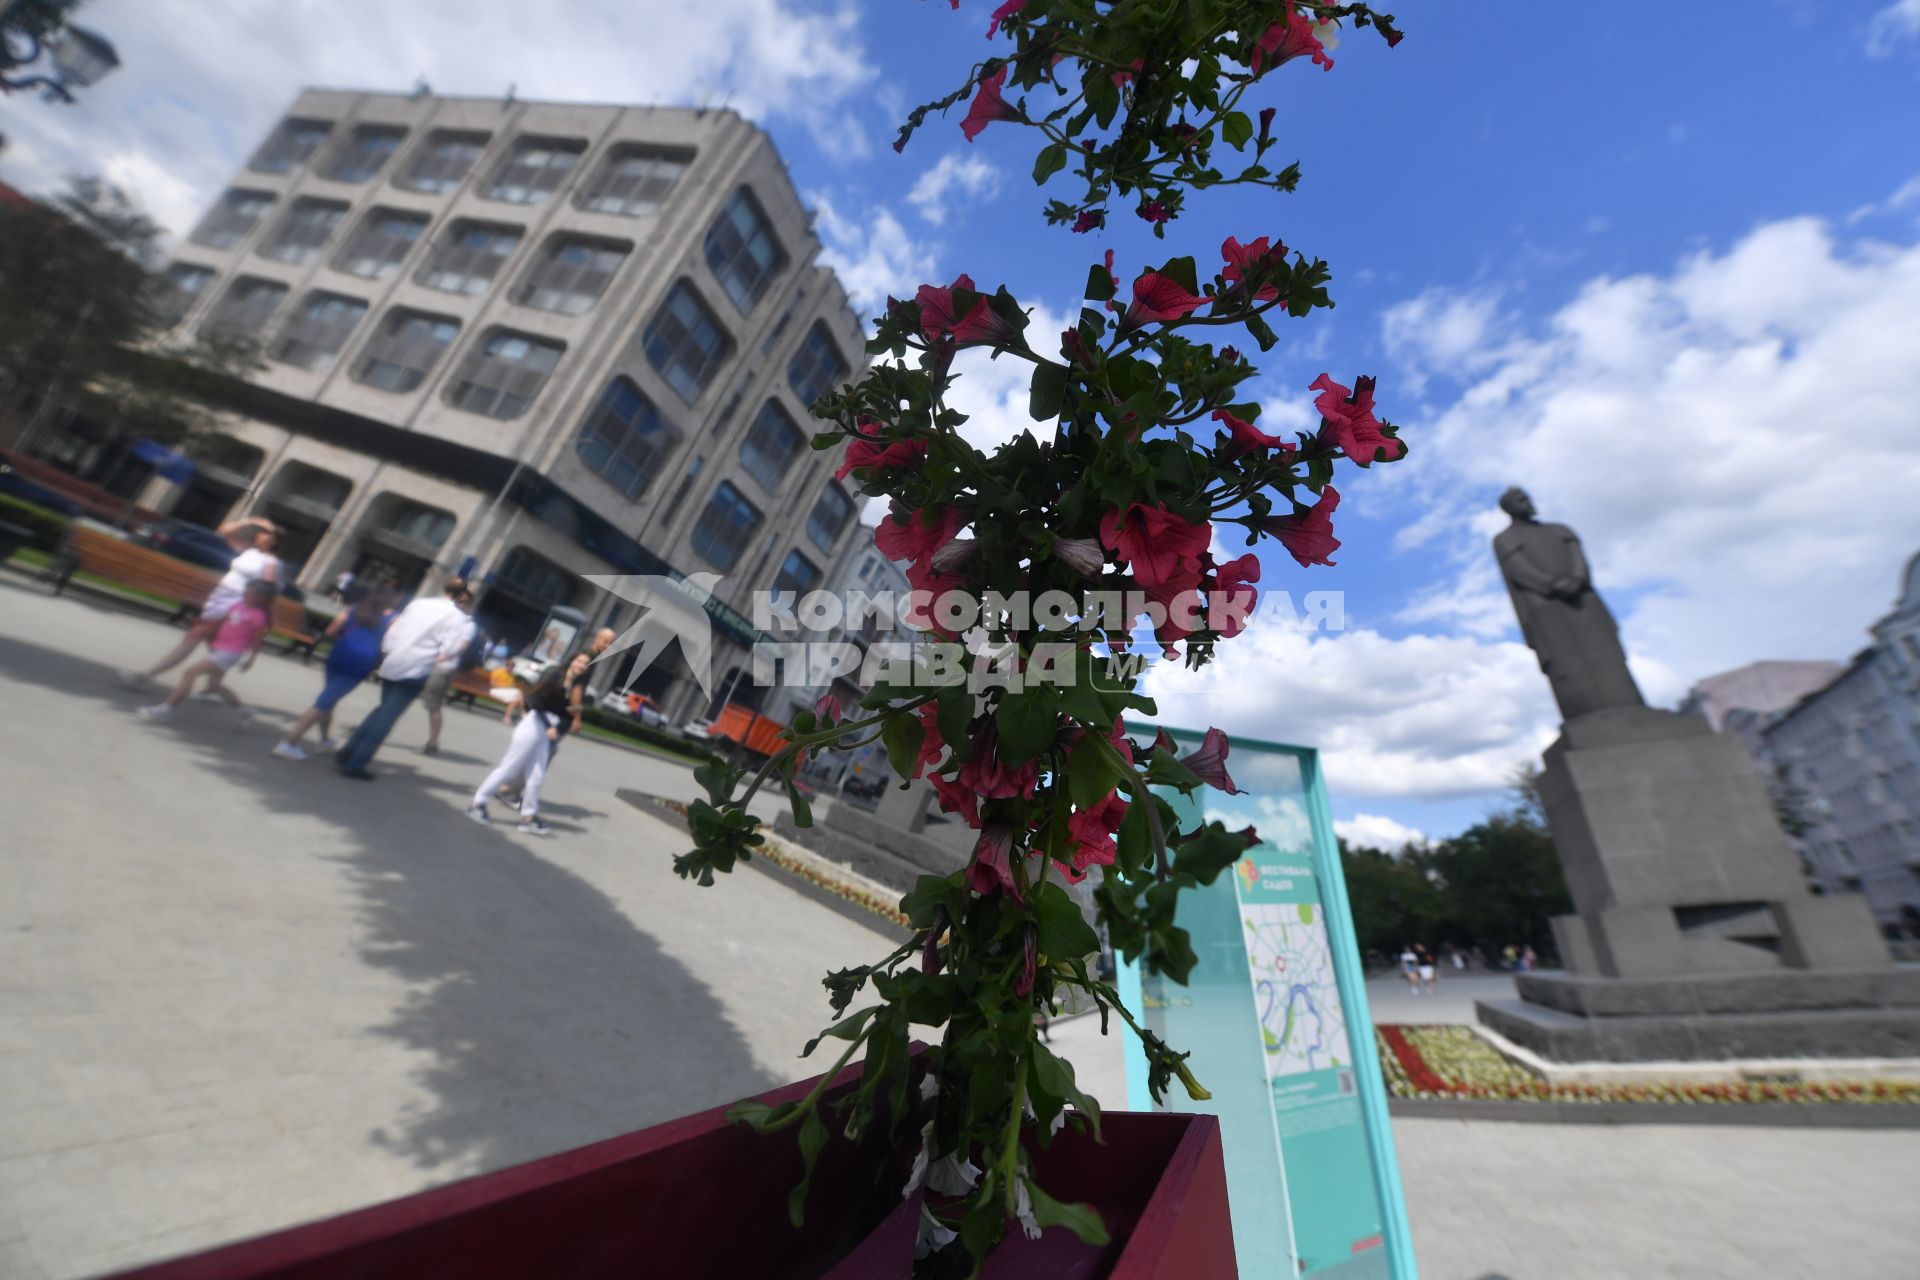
(328, 746)
(288, 751)
(161, 712)
(533, 827)
(478, 812)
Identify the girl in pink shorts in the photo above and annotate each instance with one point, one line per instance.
(236, 643)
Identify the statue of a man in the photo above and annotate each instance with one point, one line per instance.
(1561, 616)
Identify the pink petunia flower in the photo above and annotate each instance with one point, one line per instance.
(1158, 299)
(1239, 257)
(1307, 535)
(1350, 422)
(980, 324)
(1288, 39)
(1001, 14)
(988, 106)
(919, 534)
(1163, 550)
(1245, 438)
(1208, 762)
(867, 452)
(991, 870)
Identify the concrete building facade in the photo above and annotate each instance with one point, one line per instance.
(1851, 752)
(525, 341)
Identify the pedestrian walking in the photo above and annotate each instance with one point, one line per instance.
(1410, 967)
(254, 540)
(1429, 974)
(356, 636)
(342, 585)
(576, 693)
(236, 642)
(541, 710)
(1528, 959)
(1458, 958)
(417, 640)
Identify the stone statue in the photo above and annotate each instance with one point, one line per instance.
(1561, 616)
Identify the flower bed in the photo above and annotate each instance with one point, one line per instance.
(1453, 1062)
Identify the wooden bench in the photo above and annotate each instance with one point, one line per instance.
(96, 552)
(471, 687)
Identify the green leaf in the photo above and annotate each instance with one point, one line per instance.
(1082, 1219)
(813, 1136)
(802, 811)
(924, 900)
(1099, 284)
(1235, 129)
(903, 735)
(1049, 389)
(955, 704)
(845, 1029)
(1063, 932)
(1050, 161)
(1134, 840)
(1090, 773)
(1028, 722)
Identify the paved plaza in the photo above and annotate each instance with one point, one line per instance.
(238, 993)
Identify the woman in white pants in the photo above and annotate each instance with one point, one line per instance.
(543, 705)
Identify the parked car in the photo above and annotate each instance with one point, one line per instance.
(194, 543)
(15, 485)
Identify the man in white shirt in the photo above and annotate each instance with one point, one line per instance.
(423, 635)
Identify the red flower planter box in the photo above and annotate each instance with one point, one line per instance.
(702, 1197)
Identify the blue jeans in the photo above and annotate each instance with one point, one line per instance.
(395, 697)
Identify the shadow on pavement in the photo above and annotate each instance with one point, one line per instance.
(544, 1018)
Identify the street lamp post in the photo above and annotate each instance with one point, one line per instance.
(32, 28)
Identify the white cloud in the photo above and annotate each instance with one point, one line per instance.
(994, 393)
(201, 83)
(1733, 441)
(1377, 831)
(1440, 332)
(1893, 26)
(1906, 196)
(967, 175)
(875, 258)
(1421, 715)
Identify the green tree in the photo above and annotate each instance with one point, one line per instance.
(83, 317)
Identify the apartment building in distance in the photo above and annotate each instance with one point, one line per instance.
(526, 342)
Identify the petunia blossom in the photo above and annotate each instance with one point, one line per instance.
(1092, 830)
(1307, 535)
(1208, 762)
(1029, 962)
(991, 870)
(827, 709)
(1162, 549)
(1082, 555)
(1001, 14)
(1350, 422)
(1089, 220)
(1231, 595)
(931, 743)
(1245, 438)
(988, 106)
(1158, 299)
(1153, 211)
(956, 798)
(991, 778)
(866, 452)
(1295, 36)
(980, 324)
(1239, 257)
(921, 533)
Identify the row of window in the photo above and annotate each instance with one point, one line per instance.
(569, 277)
(634, 179)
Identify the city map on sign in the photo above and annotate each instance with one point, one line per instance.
(1301, 1023)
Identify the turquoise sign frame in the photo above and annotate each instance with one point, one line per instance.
(1275, 1015)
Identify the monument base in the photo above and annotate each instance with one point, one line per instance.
(1829, 1013)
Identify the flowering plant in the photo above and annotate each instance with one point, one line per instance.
(1151, 451)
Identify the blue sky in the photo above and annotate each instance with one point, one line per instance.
(1666, 274)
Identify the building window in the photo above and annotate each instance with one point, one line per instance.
(364, 153)
(571, 274)
(534, 169)
(503, 374)
(317, 332)
(742, 251)
(469, 256)
(420, 523)
(769, 447)
(290, 146)
(830, 516)
(233, 219)
(404, 351)
(797, 574)
(246, 307)
(535, 575)
(634, 180)
(624, 440)
(182, 287)
(816, 367)
(303, 230)
(725, 527)
(380, 243)
(685, 343)
(443, 161)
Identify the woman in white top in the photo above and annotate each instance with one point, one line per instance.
(253, 539)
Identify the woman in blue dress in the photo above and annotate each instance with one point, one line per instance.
(356, 636)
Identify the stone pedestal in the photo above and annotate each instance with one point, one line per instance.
(1694, 934)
